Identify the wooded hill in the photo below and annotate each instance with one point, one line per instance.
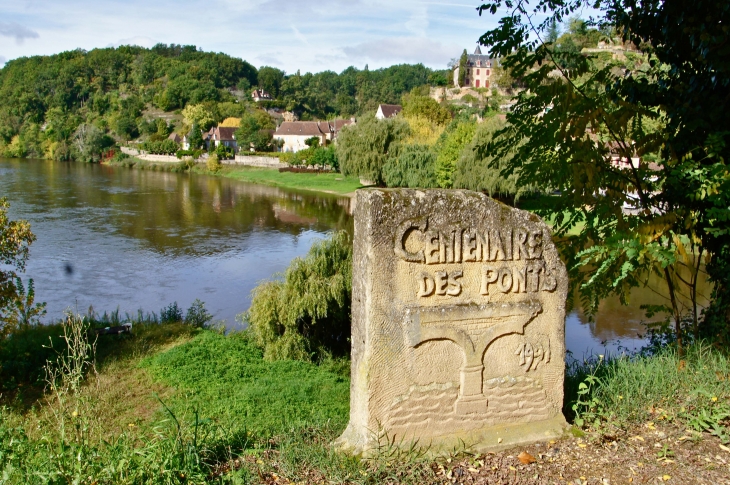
(45, 100)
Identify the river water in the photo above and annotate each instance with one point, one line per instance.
(132, 239)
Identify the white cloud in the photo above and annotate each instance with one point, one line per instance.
(299, 35)
(418, 23)
(17, 31)
(403, 49)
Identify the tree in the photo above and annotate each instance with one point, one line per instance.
(270, 80)
(15, 240)
(553, 32)
(449, 147)
(363, 149)
(667, 106)
(89, 143)
(425, 107)
(254, 132)
(305, 313)
(198, 114)
(415, 166)
(196, 137)
(478, 170)
(463, 61)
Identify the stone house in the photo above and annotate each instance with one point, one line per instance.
(478, 71)
(175, 137)
(388, 111)
(294, 134)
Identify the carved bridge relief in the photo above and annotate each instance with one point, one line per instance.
(473, 328)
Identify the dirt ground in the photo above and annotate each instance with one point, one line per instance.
(650, 454)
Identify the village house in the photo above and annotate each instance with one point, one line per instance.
(222, 135)
(260, 95)
(175, 137)
(388, 111)
(294, 134)
(478, 71)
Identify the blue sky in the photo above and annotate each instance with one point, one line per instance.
(288, 34)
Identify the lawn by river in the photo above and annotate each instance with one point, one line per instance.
(334, 183)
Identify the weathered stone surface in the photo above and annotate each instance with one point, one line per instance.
(457, 323)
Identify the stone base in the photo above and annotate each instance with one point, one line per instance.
(482, 440)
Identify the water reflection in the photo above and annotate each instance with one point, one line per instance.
(139, 239)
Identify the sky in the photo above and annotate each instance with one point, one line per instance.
(292, 35)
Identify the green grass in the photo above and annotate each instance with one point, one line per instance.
(693, 389)
(325, 182)
(225, 379)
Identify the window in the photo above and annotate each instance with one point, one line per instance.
(477, 72)
(487, 72)
(477, 82)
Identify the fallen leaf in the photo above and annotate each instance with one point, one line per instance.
(512, 468)
(637, 438)
(631, 480)
(499, 440)
(472, 470)
(724, 448)
(582, 445)
(526, 458)
(666, 477)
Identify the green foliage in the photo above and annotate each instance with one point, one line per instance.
(15, 240)
(415, 166)
(212, 164)
(171, 314)
(270, 79)
(462, 68)
(477, 170)
(663, 218)
(425, 107)
(325, 157)
(164, 147)
(364, 148)
(449, 147)
(197, 316)
(255, 131)
(305, 313)
(690, 388)
(89, 143)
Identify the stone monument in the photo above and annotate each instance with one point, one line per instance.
(458, 323)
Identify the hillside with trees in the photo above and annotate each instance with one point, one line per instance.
(77, 104)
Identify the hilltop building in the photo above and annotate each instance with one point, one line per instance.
(478, 70)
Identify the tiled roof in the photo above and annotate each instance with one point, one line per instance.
(225, 133)
(390, 109)
(302, 128)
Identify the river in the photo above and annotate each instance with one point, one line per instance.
(131, 239)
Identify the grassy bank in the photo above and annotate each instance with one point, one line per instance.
(324, 182)
(175, 404)
(334, 183)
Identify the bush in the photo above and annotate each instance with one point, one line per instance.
(164, 147)
(197, 316)
(171, 314)
(213, 164)
(195, 154)
(305, 314)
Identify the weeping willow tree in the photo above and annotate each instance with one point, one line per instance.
(304, 314)
(478, 169)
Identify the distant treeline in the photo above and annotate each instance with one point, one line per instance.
(44, 100)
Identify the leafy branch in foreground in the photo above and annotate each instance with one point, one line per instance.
(635, 146)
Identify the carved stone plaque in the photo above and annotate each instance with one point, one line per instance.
(458, 318)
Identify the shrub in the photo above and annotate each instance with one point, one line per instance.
(415, 166)
(213, 164)
(171, 314)
(305, 314)
(197, 316)
(164, 147)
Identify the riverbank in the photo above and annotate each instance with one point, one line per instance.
(330, 183)
(174, 404)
